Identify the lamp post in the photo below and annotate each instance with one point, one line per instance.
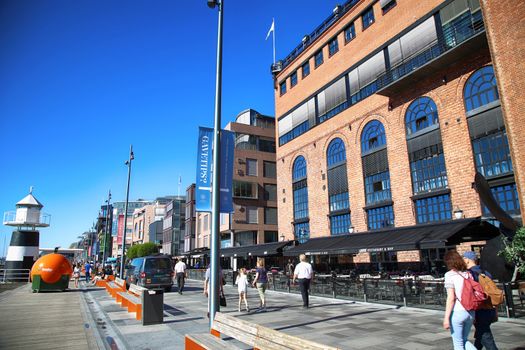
(215, 229)
(122, 257)
(106, 230)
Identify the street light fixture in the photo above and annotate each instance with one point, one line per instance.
(106, 230)
(122, 257)
(215, 229)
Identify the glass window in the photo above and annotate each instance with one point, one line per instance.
(339, 224)
(377, 188)
(337, 176)
(244, 238)
(427, 167)
(421, 114)
(507, 197)
(244, 189)
(300, 189)
(270, 192)
(333, 47)
(269, 170)
(302, 232)
(368, 17)
(282, 87)
(270, 216)
(306, 69)
(252, 216)
(318, 58)
(332, 100)
(387, 5)
(480, 88)
(492, 155)
(433, 209)
(251, 167)
(293, 79)
(373, 136)
(270, 236)
(380, 217)
(349, 33)
(244, 141)
(339, 201)
(299, 169)
(266, 145)
(336, 152)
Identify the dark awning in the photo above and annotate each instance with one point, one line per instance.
(198, 252)
(415, 237)
(259, 250)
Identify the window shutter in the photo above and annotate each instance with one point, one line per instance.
(337, 180)
(375, 163)
(485, 123)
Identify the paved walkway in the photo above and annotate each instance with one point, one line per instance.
(43, 320)
(347, 325)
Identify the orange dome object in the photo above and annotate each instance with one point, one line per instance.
(51, 267)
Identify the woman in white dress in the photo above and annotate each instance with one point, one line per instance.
(242, 287)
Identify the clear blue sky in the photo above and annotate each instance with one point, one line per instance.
(82, 80)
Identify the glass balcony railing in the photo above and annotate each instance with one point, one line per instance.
(454, 33)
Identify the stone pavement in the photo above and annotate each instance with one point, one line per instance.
(345, 324)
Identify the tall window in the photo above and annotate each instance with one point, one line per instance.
(368, 17)
(339, 203)
(377, 176)
(251, 167)
(333, 47)
(282, 87)
(306, 69)
(300, 200)
(319, 58)
(293, 79)
(425, 149)
(349, 32)
(489, 138)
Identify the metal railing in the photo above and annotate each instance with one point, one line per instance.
(412, 292)
(455, 33)
(15, 275)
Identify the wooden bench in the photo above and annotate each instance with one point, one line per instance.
(131, 300)
(251, 334)
(118, 285)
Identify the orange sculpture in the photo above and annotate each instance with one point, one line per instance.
(51, 268)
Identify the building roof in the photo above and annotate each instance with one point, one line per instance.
(29, 201)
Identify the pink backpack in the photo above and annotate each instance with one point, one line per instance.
(472, 296)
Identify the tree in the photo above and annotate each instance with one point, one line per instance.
(139, 250)
(514, 252)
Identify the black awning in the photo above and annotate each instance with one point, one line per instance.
(258, 250)
(198, 252)
(401, 238)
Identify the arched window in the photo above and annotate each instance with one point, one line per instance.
(339, 203)
(480, 88)
(427, 162)
(377, 176)
(373, 136)
(300, 200)
(421, 114)
(489, 138)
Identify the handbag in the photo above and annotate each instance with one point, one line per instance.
(222, 300)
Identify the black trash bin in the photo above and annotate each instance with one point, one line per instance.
(152, 306)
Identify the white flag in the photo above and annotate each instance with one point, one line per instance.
(272, 28)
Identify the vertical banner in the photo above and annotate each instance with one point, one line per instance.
(226, 171)
(204, 166)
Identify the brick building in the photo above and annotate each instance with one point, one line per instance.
(385, 114)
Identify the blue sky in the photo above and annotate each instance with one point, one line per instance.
(82, 80)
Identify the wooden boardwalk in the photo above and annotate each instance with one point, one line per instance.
(49, 320)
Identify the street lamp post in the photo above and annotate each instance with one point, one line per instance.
(122, 257)
(215, 232)
(106, 230)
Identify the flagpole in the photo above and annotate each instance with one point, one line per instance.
(273, 32)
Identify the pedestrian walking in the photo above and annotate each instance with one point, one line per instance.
(304, 274)
(457, 318)
(181, 274)
(242, 288)
(484, 317)
(76, 274)
(207, 285)
(87, 269)
(261, 282)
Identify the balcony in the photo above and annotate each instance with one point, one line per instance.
(460, 38)
(10, 219)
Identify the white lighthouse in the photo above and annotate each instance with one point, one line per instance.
(24, 245)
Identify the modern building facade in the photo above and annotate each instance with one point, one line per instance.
(385, 114)
(191, 218)
(144, 217)
(173, 227)
(118, 223)
(254, 220)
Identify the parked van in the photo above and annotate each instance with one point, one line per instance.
(154, 271)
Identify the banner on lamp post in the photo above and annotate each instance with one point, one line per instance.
(204, 166)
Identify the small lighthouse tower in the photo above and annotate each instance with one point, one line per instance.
(24, 246)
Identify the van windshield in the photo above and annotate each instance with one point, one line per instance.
(157, 264)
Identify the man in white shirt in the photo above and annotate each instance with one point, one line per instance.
(304, 274)
(180, 273)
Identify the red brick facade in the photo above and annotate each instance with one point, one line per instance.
(444, 86)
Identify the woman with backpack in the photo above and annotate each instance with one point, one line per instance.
(457, 318)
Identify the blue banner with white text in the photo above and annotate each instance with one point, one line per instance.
(226, 171)
(204, 166)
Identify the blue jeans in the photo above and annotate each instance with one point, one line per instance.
(483, 335)
(460, 325)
